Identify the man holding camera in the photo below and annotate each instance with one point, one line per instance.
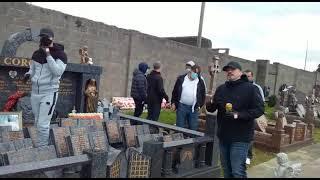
(47, 66)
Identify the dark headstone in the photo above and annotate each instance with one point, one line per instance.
(130, 136)
(98, 166)
(98, 140)
(154, 150)
(113, 132)
(185, 163)
(77, 143)
(59, 135)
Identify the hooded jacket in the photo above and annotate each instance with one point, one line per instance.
(139, 86)
(246, 101)
(155, 88)
(45, 71)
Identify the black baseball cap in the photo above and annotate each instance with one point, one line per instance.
(233, 65)
(46, 32)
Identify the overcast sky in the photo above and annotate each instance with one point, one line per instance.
(252, 30)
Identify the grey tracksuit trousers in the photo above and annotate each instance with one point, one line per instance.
(43, 106)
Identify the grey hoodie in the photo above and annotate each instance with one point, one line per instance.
(45, 77)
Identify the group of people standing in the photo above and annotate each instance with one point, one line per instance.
(239, 102)
(188, 95)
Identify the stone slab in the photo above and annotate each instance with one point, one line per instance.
(98, 140)
(77, 143)
(113, 132)
(130, 136)
(59, 135)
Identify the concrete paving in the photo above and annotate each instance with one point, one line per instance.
(308, 156)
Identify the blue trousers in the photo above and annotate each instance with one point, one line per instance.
(233, 159)
(184, 114)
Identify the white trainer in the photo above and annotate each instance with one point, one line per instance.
(248, 161)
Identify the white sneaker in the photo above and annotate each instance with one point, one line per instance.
(248, 161)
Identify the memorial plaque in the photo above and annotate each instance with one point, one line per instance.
(167, 138)
(98, 124)
(113, 132)
(123, 123)
(59, 135)
(22, 156)
(185, 162)
(77, 143)
(85, 122)
(46, 153)
(68, 122)
(4, 135)
(27, 143)
(130, 136)
(261, 123)
(139, 165)
(7, 147)
(177, 136)
(300, 131)
(78, 130)
(15, 135)
(98, 140)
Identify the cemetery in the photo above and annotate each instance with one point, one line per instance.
(92, 136)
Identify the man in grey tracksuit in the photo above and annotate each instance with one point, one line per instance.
(47, 66)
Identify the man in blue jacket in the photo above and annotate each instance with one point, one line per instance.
(47, 66)
(139, 88)
(238, 103)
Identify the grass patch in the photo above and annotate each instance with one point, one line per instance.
(316, 135)
(260, 156)
(268, 112)
(166, 116)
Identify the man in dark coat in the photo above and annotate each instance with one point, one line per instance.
(238, 103)
(155, 92)
(188, 97)
(139, 88)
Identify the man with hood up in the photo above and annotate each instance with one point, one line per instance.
(47, 66)
(139, 88)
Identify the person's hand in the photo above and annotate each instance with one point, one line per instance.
(173, 107)
(46, 50)
(26, 78)
(231, 115)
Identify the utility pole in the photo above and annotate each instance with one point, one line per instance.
(200, 25)
(305, 59)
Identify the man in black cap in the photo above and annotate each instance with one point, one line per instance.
(238, 103)
(47, 66)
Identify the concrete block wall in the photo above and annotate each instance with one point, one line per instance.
(119, 51)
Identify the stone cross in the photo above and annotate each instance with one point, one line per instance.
(214, 68)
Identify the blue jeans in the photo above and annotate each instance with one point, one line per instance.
(233, 159)
(184, 113)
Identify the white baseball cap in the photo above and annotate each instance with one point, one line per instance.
(191, 63)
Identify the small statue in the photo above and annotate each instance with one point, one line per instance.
(74, 110)
(292, 100)
(285, 169)
(281, 120)
(92, 96)
(84, 56)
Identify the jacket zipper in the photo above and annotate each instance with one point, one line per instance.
(39, 78)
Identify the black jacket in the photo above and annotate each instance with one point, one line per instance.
(139, 86)
(177, 90)
(155, 91)
(246, 101)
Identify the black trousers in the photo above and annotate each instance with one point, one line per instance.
(250, 155)
(139, 107)
(154, 111)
